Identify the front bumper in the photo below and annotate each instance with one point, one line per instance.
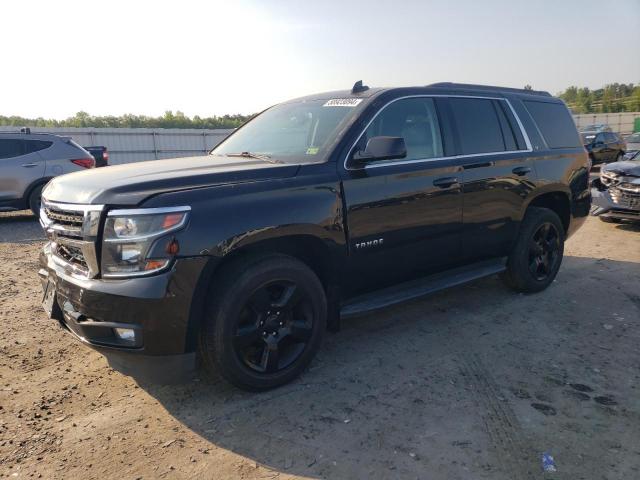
(604, 206)
(156, 308)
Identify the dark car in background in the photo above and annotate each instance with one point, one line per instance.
(603, 147)
(633, 145)
(617, 193)
(101, 155)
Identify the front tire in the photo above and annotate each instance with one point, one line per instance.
(536, 257)
(610, 220)
(265, 321)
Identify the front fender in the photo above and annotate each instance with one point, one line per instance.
(228, 217)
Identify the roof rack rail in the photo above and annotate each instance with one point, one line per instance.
(488, 88)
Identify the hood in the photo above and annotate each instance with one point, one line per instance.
(130, 184)
(628, 169)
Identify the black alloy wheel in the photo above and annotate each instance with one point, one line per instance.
(535, 258)
(274, 327)
(544, 251)
(265, 320)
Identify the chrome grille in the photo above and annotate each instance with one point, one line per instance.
(72, 230)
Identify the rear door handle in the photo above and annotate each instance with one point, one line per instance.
(521, 171)
(445, 182)
(29, 165)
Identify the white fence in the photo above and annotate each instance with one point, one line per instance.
(128, 145)
(619, 122)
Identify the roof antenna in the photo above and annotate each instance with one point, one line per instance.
(358, 87)
(26, 130)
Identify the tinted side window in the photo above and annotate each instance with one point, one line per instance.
(11, 148)
(555, 124)
(478, 125)
(600, 138)
(413, 119)
(612, 138)
(36, 145)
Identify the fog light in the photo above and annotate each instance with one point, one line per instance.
(126, 334)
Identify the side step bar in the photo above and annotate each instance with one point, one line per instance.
(420, 287)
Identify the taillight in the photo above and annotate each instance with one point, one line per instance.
(85, 162)
(105, 156)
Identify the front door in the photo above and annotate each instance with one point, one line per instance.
(404, 217)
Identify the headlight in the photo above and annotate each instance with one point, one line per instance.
(135, 241)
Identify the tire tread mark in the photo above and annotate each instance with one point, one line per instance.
(506, 435)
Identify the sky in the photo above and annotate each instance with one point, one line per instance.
(110, 57)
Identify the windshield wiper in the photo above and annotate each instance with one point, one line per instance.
(259, 156)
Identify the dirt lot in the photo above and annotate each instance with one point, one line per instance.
(476, 382)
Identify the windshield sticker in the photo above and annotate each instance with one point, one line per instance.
(342, 102)
(312, 150)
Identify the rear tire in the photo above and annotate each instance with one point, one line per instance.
(536, 257)
(264, 323)
(35, 200)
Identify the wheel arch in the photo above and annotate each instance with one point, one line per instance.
(556, 200)
(32, 186)
(314, 251)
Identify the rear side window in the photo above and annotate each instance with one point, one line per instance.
(478, 125)
(10, 148)
(555, 124)
(36, 145)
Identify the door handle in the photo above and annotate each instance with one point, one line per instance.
(29, 165)
(521, 171)
(445, 182)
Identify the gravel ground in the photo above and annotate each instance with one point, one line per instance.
(472, 383)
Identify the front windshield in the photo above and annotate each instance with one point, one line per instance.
(292, 132)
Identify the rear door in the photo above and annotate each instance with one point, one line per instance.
(404, 217)
(20, 167)
(498, 173)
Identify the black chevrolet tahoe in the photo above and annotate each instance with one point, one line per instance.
(317, 209)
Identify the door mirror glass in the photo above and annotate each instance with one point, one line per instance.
(382, 148)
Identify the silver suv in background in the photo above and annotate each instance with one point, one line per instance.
(29, 160)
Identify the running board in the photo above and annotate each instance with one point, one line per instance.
(420, 287)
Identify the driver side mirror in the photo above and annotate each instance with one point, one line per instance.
(381, 148)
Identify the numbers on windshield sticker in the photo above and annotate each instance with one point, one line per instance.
(342, 102)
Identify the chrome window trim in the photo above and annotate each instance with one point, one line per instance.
(527, 141)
